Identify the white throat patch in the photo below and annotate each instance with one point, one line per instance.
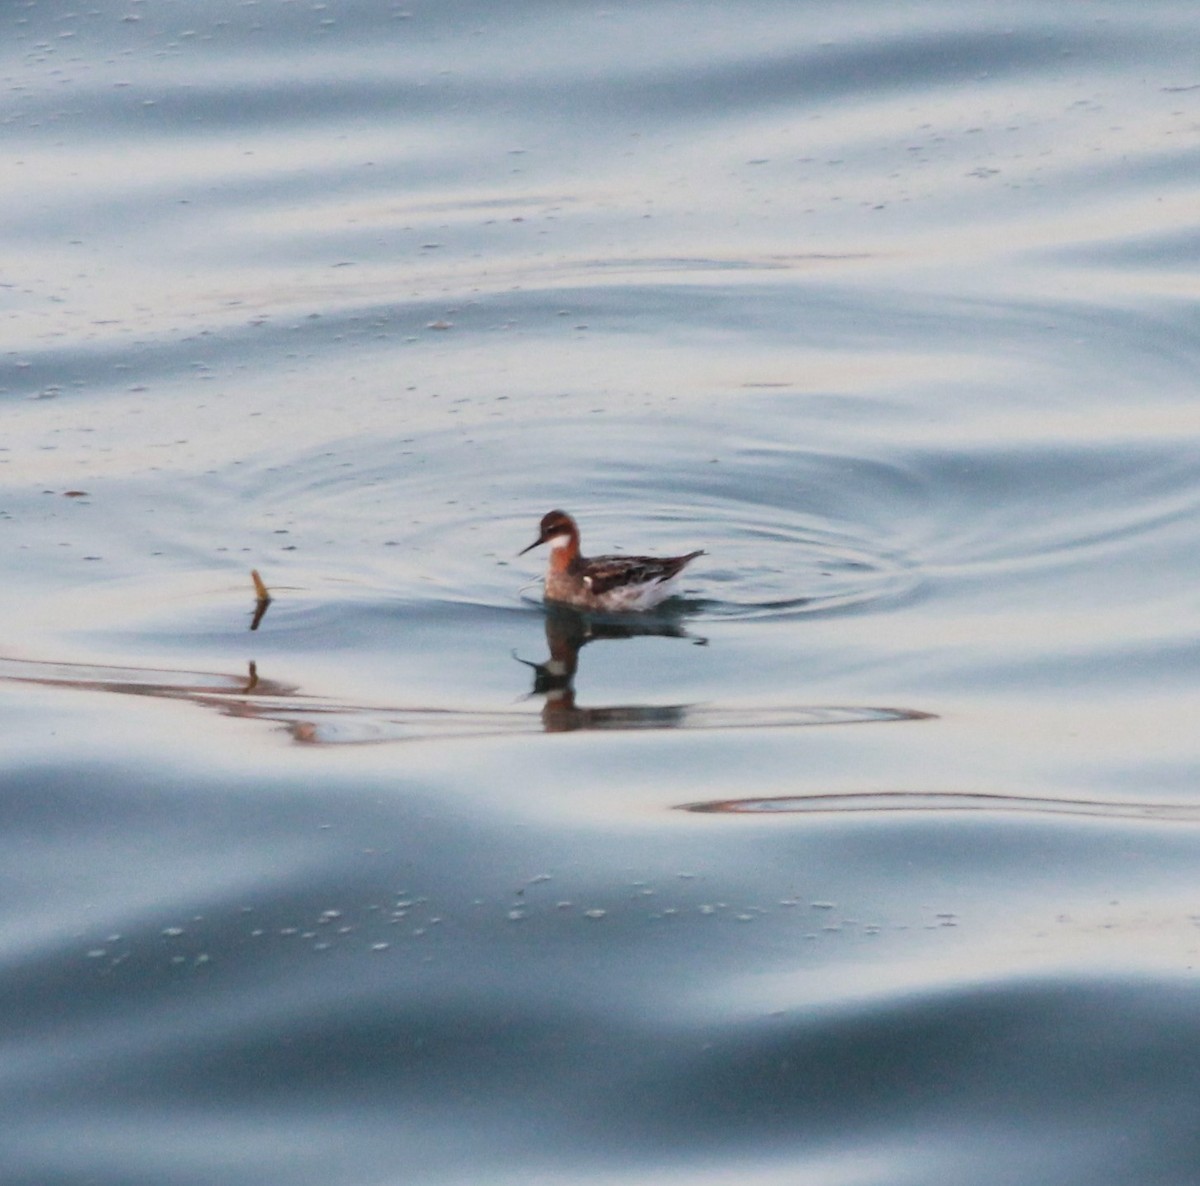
(558, 541)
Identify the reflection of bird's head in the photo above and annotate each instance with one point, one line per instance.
(548, 678)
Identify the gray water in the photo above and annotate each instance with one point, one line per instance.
(870, 859)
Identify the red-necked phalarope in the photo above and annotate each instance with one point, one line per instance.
(610, 583)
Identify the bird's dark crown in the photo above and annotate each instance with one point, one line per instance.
(556, 523)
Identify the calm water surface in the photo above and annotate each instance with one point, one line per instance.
(869, 860)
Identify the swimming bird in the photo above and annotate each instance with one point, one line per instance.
(607, 583)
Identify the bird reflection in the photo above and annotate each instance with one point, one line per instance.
(567, 632)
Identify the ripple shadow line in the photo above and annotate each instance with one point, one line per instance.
(890, 802)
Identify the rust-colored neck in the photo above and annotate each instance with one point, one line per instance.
(564, 551)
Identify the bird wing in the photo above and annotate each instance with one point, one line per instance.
(611, 572)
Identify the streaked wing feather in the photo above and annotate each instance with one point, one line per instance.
(604, 573)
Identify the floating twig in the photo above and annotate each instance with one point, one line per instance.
(263, 595)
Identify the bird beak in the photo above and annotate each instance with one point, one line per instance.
(541, 539)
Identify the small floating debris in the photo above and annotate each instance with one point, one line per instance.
(263, 598)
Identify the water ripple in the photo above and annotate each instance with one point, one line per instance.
(314, 720)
